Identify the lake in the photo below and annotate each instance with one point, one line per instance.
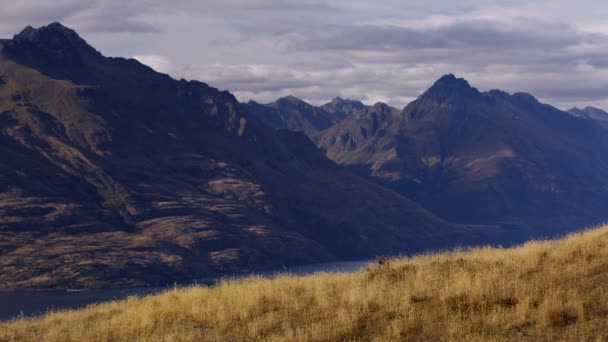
(14, 304)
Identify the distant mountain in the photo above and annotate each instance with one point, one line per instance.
(342, 108)
(591, 113)
(359, 133)
(112, 174)
(478, 157)
(294, 114)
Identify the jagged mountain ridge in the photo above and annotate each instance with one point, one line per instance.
(342, 108)
(479, 157)
(114, 175)
(591, 113)
(297, 115)
(294, 114)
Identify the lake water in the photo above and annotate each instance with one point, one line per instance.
(14, 304)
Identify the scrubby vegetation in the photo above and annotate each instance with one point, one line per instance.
(541, 291)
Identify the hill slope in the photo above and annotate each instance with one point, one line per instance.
(114, 175)
(541, 291)
(491, 157)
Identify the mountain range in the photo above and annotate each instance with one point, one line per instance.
(112, 174)
(294, 114)
(481, 157)
(297, 115)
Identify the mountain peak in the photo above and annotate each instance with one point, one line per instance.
(449, 86)
(341, 108)
(51, 30)
(380, 105)
(590, 112)
(526, 97)
(27, 32)
(447, 78)
(450, 80)
(53, 45)
(291, 98)
(339, 104)
(593, 109)
(341, 101)
(595, 113)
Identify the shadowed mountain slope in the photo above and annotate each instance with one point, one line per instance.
(297, 115)
(293, 114)
(591, 113)
(112, 174)
(342, 108)
(489, 157)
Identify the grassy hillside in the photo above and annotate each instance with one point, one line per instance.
(550, 290)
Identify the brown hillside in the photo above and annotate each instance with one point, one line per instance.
(541, 291)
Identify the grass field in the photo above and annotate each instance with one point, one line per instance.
(541, 291)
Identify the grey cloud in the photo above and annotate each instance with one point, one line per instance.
(16, 15)
(24, 10)
(110, 16)
(96, 16)
(276, 5)
(118, 16)
(463, 35)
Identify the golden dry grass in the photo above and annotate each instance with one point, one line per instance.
(541, 291)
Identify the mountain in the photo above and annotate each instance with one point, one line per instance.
(360, 132)
(294, 114)
(342, 108)
(297, 115)
(591, 113)
(476, 157)
(112, 174)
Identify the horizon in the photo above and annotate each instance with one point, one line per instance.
(320, 50)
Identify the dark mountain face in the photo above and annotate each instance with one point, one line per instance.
(342, 108)
(591, 113)
(294, 114)
(479, 157)
(52, 46)
(113, 174)
(362, 132)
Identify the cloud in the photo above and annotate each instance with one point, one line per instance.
(272, 5)
(30, 10)
(96, 16)
(462, 35)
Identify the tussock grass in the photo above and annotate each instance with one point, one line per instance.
(541, 291)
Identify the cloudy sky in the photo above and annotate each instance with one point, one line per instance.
(383, 50)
